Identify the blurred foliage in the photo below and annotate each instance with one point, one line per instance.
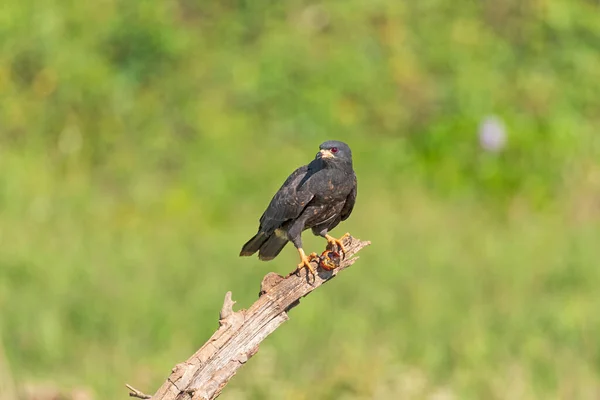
(140, 141)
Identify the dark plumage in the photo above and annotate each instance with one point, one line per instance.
(317, 196)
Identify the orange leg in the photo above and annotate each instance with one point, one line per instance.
(339, 242)
(305, 260)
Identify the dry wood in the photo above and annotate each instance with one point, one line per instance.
(204, 375)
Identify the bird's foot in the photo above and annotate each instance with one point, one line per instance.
(306, 260)
(331, 241)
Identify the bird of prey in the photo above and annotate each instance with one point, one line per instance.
(317, 196)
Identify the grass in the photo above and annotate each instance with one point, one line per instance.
(99, 290)
(140, 142)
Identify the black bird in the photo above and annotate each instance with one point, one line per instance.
(318, 196)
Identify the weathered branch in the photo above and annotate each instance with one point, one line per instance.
(133, 392)
(205, 374)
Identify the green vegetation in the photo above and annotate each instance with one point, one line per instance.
(140, 142)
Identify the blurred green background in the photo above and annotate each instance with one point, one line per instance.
(141, 140)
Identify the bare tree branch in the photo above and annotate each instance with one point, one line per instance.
(204, 375)
(133, 392)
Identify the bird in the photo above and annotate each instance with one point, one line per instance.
(316, 196)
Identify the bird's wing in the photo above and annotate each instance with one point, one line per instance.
(350, 200)
(288, 203)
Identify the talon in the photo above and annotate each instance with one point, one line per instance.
(305, 261)
(333, 241)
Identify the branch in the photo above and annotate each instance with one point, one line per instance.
(204, 375)
(133, 392)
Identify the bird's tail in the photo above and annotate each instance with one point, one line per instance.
(273, 246)
(268, 246)
(253, 245)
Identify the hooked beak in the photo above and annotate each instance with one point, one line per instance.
(325, 154)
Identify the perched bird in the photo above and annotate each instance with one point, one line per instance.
(316, 196)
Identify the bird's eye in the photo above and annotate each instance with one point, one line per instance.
(334, 149)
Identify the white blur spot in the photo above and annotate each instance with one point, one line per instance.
(492, 134)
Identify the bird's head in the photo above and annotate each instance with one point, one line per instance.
(334, 151)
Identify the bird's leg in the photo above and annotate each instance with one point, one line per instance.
(339, 242)
(305, 260)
